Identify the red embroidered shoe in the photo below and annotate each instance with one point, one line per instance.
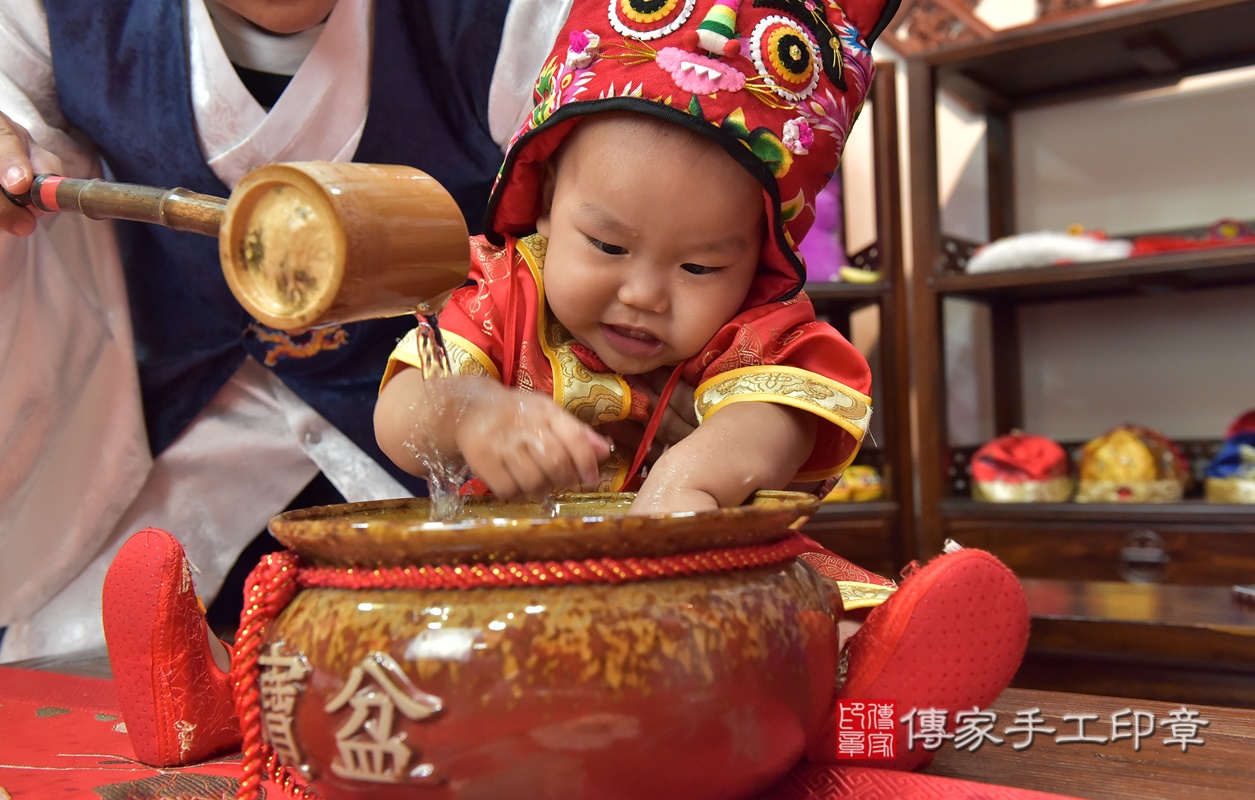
(951, 639)
(175, 700)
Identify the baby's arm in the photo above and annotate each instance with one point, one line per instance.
(519, 444)
(744, 447)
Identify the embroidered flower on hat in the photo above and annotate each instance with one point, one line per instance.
(582, 49)
(649, 19)
(798, 136)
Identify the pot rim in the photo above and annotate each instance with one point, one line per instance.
(399, 532)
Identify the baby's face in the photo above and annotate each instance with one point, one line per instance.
(282, 16)
(654, 238)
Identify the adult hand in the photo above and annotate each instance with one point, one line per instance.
(20, 160)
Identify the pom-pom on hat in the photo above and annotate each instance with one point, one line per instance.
(1230, 475)
(776, 83)
(1021, 468)
(1131, 464)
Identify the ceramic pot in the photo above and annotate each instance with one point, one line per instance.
(685, 686)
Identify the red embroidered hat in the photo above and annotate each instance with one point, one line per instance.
(1021, 468)
(777, 83)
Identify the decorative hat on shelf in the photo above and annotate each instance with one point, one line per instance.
(1047, 248)
(1021, 468)
(1230, 476)
(858, 484)
(1131, 464)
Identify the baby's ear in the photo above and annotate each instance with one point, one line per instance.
(546, 198)
(871, 17)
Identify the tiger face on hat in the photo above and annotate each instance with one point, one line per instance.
(776, 83)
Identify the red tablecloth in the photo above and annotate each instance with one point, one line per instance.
(61, 737)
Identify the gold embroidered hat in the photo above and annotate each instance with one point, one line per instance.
(1131, 464)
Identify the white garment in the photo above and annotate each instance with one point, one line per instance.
(77, 484)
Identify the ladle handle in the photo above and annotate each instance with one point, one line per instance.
(177, 209)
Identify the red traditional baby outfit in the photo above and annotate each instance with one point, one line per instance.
(501, 327)
(776, 85)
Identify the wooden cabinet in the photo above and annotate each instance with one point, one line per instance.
(877, 535)
(1118, 50)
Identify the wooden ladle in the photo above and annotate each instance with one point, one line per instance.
(304, 245)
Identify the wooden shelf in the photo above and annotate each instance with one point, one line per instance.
(1098, 53)
(1155, 274)
(1191, 644)
(844, 512)
(851, 295)
(1191, 542)
(877, 535)
(1127, 47)
(1183, 512)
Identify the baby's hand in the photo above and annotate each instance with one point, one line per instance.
(524, 445)
(658, 499)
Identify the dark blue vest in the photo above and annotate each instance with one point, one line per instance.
(122, 79)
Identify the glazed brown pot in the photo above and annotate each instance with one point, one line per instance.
(698, 686)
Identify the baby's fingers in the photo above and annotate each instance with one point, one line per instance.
(586, 449)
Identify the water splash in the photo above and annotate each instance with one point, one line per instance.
(445, 476)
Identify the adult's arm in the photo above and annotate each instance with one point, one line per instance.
(71, 430)
(34, 136)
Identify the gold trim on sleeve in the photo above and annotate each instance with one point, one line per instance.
(863, 595)
(464, 357)
(799, 388)
(467, 359)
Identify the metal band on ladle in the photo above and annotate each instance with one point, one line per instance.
(177, 209)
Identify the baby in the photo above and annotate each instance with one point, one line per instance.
(643, 231)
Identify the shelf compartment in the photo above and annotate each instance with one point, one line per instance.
(1211, 268)
(852, 296)
(1180, 643)
(1183, 512)
(1176, 543)
(849, 296)
(1120, 49)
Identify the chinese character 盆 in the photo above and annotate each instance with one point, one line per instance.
(280, 686)
(376, 689)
